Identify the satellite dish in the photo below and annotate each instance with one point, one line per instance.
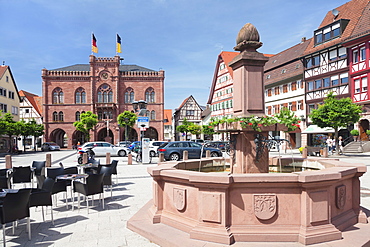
(335, 12)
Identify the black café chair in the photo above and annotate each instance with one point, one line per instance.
(59, 185)
(107, 179)
(42, 197)
(15, 206)
(93, 186)
(22, 174)
(5, 176)
(39, 172)
(114, 164)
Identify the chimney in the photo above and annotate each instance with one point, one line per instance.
(303, 39)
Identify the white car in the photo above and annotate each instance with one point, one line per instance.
(102, 148)
(153, 147)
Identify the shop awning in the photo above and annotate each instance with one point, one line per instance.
(314, 129)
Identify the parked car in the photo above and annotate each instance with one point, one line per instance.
(123, 144)
(133, 144)
(50, 146)
(153, 147)
(200, 141)
(101, 148)
(222, 145)
(174, 150)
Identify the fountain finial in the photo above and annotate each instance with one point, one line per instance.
(248, 39)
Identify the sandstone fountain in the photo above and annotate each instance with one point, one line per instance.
(248, 204)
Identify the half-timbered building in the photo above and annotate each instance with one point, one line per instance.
(358, 46)
(192, 112)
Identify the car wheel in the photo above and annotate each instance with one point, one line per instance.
(122, 153)
(80, 160)
(152, 154)
(175, 157)
(214, 154)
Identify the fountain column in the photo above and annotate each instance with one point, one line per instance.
(248, 98)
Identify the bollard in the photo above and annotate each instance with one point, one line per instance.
(325, 152)
(161, 158)
(304, 153)
(8, 162)
(48, 160)
(185, 155)
(84, 158)
(129, 159)
(107, 159)
(208, 153)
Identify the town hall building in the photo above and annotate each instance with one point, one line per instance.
(107, 88)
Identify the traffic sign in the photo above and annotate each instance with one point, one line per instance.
(143, 122)
(143, 119)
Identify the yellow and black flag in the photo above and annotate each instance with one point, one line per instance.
(118, 44)
(94, 46)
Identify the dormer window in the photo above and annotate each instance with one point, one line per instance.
(331, 31)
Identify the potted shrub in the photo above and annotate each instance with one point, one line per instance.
(355, 134)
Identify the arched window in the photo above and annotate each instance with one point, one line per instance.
(105, 94)
(78, 116)
(55, 116)
(80, 96)
(61, 116)
(58, 96)
(110, 97)
(150, 95)
(152, 115)
(129, 95)
(147, 113)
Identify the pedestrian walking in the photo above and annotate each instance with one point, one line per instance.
(329, 144)
(340, 144)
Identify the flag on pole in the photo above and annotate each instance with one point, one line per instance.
(94, 47)
(118, 44)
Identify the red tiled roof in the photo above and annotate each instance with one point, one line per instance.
(168, 116)
(34, 100)
(3, 68)
(352, 11)
(362, 28)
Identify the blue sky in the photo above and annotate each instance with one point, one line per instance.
(181, 37)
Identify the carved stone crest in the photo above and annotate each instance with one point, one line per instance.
(179, 198)
(264, 206)
(340, 196)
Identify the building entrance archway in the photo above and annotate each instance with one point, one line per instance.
(151, 133)
(132, 134)
(59, 137)
(363, 126)
(102, 136)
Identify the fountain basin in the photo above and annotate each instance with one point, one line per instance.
(307, 207)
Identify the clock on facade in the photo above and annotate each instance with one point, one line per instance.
(104, 76)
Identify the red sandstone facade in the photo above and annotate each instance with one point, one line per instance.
(107, 89)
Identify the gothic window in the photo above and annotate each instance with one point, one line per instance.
(152, 115)
(55, 116)
(150, 95)
(80, 96)
(78, 114)
(61, 116)
(105, 94)
(58, 96)
(129, 95)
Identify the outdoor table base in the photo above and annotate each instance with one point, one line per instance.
(72, 177)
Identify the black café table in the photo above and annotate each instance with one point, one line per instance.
(72, 177)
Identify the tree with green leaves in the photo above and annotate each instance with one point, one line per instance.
(126, 119)
(88, 121)
(184, 127)
(336, 113)
(10, 128)
(37, 130)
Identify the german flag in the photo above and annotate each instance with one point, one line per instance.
(118, 44)
(94, 47)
